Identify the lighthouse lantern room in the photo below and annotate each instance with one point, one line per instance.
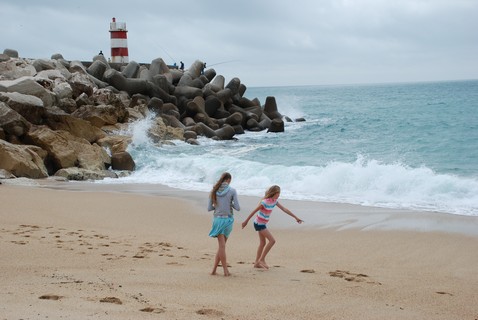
(119, 42)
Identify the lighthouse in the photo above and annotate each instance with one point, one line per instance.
(119, 42)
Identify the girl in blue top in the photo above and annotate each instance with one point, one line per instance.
(222, 199)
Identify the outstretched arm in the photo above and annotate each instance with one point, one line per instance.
(289, 213)
(250, 215)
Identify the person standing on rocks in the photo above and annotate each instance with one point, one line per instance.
(181, 65)
(222, 199)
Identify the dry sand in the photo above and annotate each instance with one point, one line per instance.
(80, 251)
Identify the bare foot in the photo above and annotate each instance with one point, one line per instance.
(259, 265)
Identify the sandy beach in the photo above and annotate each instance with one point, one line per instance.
(89, 251)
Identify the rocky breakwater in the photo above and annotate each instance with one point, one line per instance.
(62, 118)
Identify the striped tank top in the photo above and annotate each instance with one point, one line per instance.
(264, 213)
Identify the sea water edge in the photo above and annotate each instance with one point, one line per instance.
(399, 146)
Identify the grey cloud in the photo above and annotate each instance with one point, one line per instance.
(263, 42)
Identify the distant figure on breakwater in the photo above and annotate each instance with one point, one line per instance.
(181, 66)
(101, 53)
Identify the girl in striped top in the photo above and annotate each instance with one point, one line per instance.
(264, 210)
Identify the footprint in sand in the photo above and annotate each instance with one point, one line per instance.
(50, 297)
(19, 242)
(151, 247)
(308, 271)
(88, 241)
(153, 310)
(210, 312)
(111, 300)
(349, 276)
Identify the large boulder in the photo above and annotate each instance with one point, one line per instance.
(131, 70)
(43, 64)
(107, 96)
(209, 74)
(160, 131)
(159, 67)
(234, 119)
(59, 60)
(172, 121)
(226, 132)
(11, 122)
(190, 77)
(77, 127)
(62, 89)
(101, 115)
(122, 161)
(28, 86)
(4, 57)
(270, 108)
(11, 53)
(234, 85)
(277, 125)
(161, 81)
(77, 66)
(81, 83)
(60, 73)
(65, 150)
(264, 122)
(115, 143)
(224, 95)
(97, 69)
(196, 109)
(21, 161)
(217, 84)
(30, 107)
(203, 130)
(211, 105)
(11, 69)
(80, 174)
(247, 114)
(102, 58)
(155, 105)
(187, 91)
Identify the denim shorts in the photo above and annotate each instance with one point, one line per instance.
(259, 227)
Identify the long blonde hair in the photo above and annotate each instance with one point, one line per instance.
(272, 191)
(224, 177)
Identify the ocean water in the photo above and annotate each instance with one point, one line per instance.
(406, 146)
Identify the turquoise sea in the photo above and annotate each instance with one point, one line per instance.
(406, 145)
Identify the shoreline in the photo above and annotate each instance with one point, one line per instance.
(128, 255)
(317, 214)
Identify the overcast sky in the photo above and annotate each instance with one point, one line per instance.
(263, 43)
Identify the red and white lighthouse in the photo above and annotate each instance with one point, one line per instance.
(119, 42)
